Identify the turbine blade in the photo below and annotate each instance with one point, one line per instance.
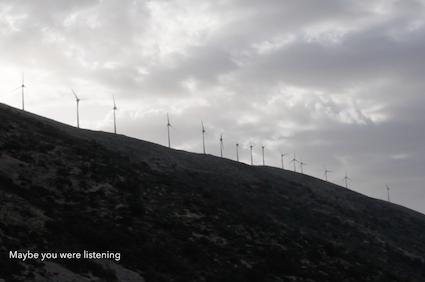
(203, 128)
(16, 89)
(75, 94)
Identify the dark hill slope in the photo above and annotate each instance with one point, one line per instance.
(180, 216)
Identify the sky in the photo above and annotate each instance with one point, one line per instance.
(337, 82)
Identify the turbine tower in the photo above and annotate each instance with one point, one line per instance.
(281, 157)
(346, 178)
(168, 128)
(301, 165)
(78, 114)
(237, 152)
(221, 145)
(203, 138)
(250, 148)
(326, 173)
(115, 122)
(262, 151)
(22, 86)
(294, 160)
(388, 192)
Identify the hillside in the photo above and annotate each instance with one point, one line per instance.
(172, 215)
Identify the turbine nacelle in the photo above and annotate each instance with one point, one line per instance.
(326, 173)
(250, 150)
(76, 97)
(262, 151)
(114, 108)
(301, 165)
(203, 129)
(203, 135)
(388, 192)
(251, 144)
(281, 157)
(346, 178)
(22, 86)
(78, 101)
(294, 160)
(221, 145)
(168, 130)
(282, 154)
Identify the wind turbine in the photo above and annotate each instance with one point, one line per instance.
(281, 157)
(237, 152)
(115, 122)
(388, 192)
(294, 160)
(168, 128)
(326, 172)
(301, 165)
(262, 150)
(250, 148)
(78, 114)
(346, 178)
(203, 133)
(22, 86)
(221, 145)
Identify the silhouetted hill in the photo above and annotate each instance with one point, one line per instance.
(177, 216)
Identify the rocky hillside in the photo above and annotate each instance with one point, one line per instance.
(158, 214)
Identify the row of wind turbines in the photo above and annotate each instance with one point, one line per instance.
(251, 145)
(78, 113)
(77, 99)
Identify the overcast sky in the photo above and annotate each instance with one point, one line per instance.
(340, 82)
